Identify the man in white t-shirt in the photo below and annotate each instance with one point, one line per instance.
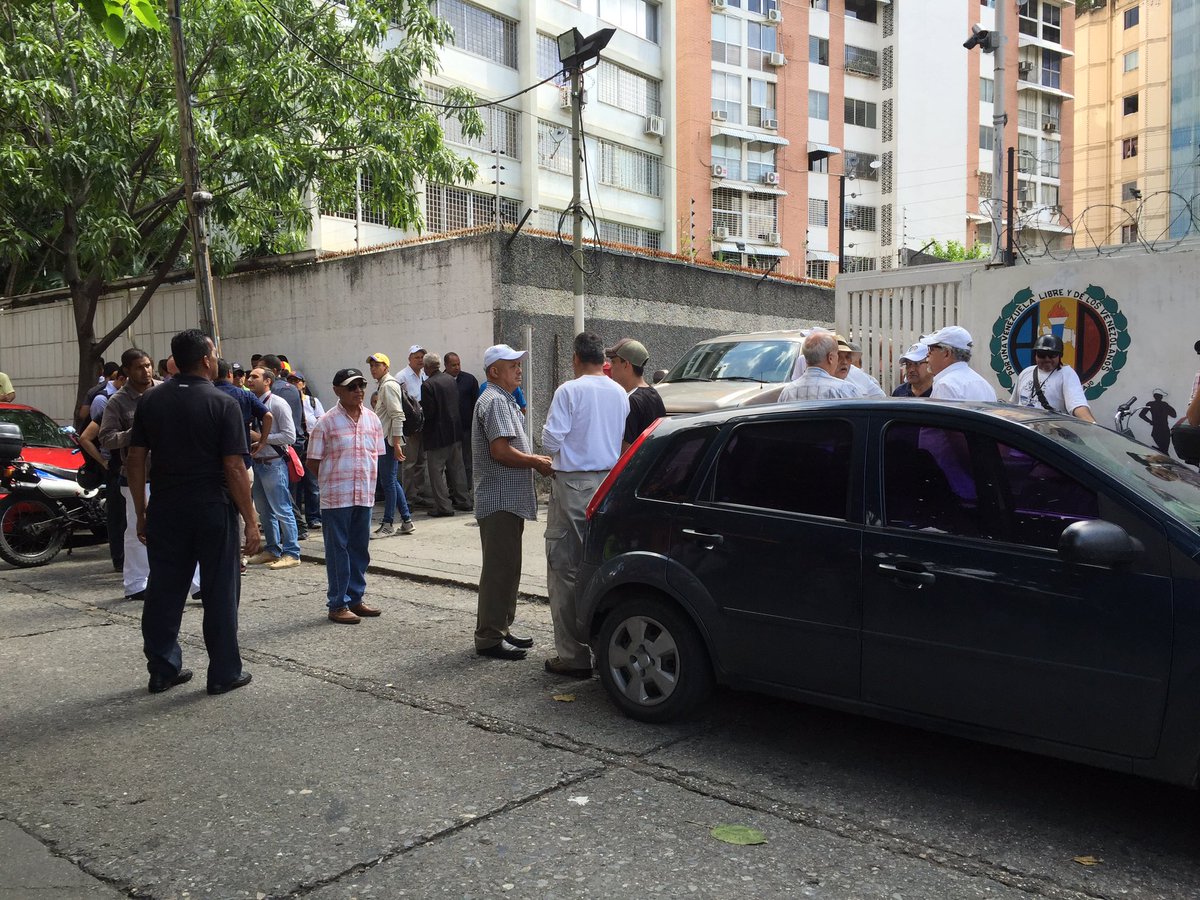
(1049, 384)
(412, 474)
(953, 379)
(582, 434)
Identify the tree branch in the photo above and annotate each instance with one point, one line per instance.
(164, 267)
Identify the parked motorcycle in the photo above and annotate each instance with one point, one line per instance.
(41, 510)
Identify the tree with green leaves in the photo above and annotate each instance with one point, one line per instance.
(291, 100)
(956, 251)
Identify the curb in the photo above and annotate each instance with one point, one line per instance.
(426, 578)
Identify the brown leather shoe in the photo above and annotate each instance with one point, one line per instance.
(343, 616)
(362, 609)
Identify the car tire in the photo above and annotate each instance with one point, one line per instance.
(652, 659)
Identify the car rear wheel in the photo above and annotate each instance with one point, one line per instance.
(652, 660)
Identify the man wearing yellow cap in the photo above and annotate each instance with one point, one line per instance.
(390, 409)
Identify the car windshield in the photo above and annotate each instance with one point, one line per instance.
(37, 429)
(1164, 481)
(763, 361)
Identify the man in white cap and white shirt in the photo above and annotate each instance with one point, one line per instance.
(953, 379)
(583, 434)
(412, 474)
(504, 500)
(866, 384)
(917, 377)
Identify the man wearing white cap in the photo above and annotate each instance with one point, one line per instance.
(953, 379)
(914, 367)
(412, 475)
(504, 500)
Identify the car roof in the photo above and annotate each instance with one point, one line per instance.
(791, 334)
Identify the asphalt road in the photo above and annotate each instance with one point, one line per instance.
(386, 760)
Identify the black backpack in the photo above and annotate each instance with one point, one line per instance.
(414, 417)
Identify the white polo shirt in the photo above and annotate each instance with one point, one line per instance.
(960, 382)
(867, 386)
(1062, 389)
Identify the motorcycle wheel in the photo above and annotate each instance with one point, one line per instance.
(22, 542)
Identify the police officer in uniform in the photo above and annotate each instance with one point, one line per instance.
(193, 440)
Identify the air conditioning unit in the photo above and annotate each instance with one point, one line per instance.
(769, 123)
(719, 4)
(778, 59)
(719, 115)
(774, 239)
(720, 233)
(1024, 68)
(564, 97)
(719, 171)
(771, 178)
(1049, 126)
(774, 15)
(655, 125)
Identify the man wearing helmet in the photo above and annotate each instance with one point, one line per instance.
(1048, 384)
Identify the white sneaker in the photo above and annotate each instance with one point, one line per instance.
(284, 562)
(407, 527)
(263, 556)
(384, 530)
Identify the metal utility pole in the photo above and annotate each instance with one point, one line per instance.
(197, 200)
(999, 119)
(842, 224)
(576, 206)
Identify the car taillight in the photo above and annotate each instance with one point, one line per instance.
(615, 471)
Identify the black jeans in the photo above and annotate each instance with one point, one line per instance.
(114, 507)
(180, 535)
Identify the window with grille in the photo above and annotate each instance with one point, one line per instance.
(818, 50)
(630, 170)
(499, 126)
(762, 104)
(480, 32)
(818, 212)
(818, 105)
(726, 39)
(860, 264)
(748, 216)
(860, 112)
(987, 90)
(760, 44)
(818, 269)
(627, 89)
(727, 152)
(547, 60)
(761, 216)
(727, 96)
(638, 17)
(1129, 148)
(373, 210)
(859, 164)
(760, 160)
(554, 147)
(727, 211)
(859, 218)
(889, 107)
(888, 67)
(450, 208)
(861, 61)
(629, 235)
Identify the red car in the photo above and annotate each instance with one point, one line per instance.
(46, 445)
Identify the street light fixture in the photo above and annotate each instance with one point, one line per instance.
(574, 52)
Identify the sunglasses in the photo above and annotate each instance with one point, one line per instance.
(1046, 354)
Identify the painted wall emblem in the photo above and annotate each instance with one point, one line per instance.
(1093, 330)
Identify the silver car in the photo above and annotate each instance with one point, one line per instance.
(732, 370)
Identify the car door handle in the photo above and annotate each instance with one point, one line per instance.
(907, 575)
(706, 540)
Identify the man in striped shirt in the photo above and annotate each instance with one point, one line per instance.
(343, 455)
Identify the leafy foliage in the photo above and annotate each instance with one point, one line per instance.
(287, 95)
(955, 251)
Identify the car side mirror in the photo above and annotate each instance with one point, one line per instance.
(1098, 543)
(658, 375)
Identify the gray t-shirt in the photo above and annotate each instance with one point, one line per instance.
(499, 488)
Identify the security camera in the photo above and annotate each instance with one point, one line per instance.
(982, 38)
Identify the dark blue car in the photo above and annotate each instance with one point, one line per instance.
(1000, 573)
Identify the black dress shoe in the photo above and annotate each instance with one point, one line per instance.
(160, 683)
(523, 642)
(140, 596)
(502, 650)
(439, 513)
(241, 681)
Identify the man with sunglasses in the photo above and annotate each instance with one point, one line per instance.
(1050, 385)
(343, 455)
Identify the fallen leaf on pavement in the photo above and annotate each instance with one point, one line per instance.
(738, 834)
(1087, 860)
(578, 801)
(564, 698)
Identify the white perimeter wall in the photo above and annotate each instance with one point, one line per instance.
(322, 316)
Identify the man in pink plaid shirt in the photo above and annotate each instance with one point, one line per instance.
(343, 455)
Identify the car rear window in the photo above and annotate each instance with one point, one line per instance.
(675, 469)
(795, 466)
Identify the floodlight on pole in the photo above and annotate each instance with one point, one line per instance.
(574, 52)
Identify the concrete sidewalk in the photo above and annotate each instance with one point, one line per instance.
(445, 551)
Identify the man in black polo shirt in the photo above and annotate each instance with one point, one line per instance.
(195, 439)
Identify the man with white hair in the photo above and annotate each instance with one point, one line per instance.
(827, 360)
(953, 379)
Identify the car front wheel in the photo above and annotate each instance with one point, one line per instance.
(652, 660)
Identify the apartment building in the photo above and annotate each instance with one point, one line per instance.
(500, 47)
(1137, 119)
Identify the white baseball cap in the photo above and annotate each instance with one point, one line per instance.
(951, 336)
(415, 348)
(916, 353)
(498, 352)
